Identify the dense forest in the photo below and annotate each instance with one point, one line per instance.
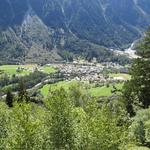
(73, 120)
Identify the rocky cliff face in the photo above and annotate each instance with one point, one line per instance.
(47, 30)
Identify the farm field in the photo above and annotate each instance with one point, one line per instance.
(104, 91)
(12, 69)
(24, 69)
(48, 69)
(47, 87)
(123, 75)
(95, 92)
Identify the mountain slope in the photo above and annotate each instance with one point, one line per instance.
(48, 30)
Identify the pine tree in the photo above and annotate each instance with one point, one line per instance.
(144, 48)
(137, 90)
(23, 95)
(9, 99)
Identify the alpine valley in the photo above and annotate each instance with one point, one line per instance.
(42, 31)
(74, 75)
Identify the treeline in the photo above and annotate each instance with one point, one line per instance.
(12, 83)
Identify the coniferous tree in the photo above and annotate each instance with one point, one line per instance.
(23, 94)
(9, 98)
(136, 91)
(144, 48)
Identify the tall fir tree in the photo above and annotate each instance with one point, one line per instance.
(23, 94)
(137, 90)
(144, 48)
(9, 98)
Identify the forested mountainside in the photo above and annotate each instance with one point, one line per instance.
(47, 30)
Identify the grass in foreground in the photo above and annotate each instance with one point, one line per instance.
(139, 148)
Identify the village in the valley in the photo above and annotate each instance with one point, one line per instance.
(91, 72)
(86, 71)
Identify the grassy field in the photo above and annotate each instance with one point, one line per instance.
(12, 69)
(96, 92)
(104, 91)
(48, 69)
(45, 89)
(125, 76)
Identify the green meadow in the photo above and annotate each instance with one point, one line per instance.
(123, 75)
(93, 91)
(46, 88)
(27, 69)
(104, 90)
(12, 69)
(48, 69)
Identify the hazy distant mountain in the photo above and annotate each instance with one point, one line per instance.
(47, 30)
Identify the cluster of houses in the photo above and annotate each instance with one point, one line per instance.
(91, 72)
(85, 71)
